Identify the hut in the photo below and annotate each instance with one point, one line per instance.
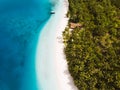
(74, 25)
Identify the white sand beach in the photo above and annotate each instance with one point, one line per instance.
(51, 66)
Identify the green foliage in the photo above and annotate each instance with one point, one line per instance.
(93, 51)
(116, 3)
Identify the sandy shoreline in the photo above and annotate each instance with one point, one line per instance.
(51, 66)
(65, 80)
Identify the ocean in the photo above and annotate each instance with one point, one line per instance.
(21, 22)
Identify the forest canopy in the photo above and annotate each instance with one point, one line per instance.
(93, 50)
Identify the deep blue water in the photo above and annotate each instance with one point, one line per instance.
(20, 25)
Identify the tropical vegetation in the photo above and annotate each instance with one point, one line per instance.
(93, 50)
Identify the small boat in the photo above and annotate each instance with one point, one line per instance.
(52, 12)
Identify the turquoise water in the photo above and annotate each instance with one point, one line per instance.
(20, 24)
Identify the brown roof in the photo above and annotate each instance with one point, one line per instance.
(74, 25)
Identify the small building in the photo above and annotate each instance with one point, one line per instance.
(74, 25)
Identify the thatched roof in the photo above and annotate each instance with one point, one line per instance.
(74, 25)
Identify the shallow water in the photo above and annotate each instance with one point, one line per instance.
(20, 25)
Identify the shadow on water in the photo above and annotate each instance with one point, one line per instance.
(19, 22)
